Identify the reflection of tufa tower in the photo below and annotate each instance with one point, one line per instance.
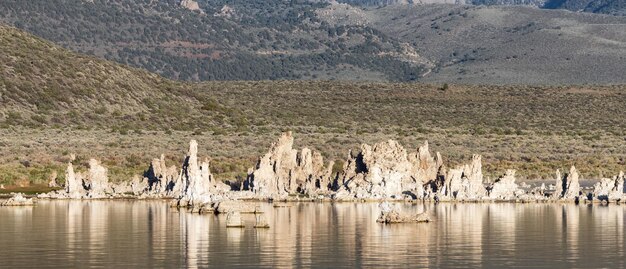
(195, 236)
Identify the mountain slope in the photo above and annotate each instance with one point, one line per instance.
(44, 85)
(255, 40)
(510, 45)
(274, 39)
(613, 7)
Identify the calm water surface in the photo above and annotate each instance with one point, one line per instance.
(149, 234)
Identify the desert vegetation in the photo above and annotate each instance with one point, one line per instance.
(55, 103)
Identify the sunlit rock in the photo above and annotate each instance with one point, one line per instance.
(18, 199)
(284, 170)
(73, 183)
(426, 170)
(191, 5)
(196, 180)
(97, 182)
(390, 214)
(567, 187)
(465, 182)
(382, 171)
(610, 189)
(504, 188)
(161, 179)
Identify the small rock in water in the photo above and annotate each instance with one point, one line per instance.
(261, 222)
(233, 220)
(389, 214)
(18, 199)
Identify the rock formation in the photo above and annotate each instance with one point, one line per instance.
(284, 170)
(97, 182)
(504, 188)
(161, 180)
(385, 171)
(567, 187)
(390, 214)
(73, 183)
(196, 180)
(610, 189)
(18, 199)
(427, 169)
(465, 182)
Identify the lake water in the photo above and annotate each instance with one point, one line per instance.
(149, 234)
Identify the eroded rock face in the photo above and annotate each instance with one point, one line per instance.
(97, 183)
(196, 180)
(284, 170)
(610, 189)
(504, 187)
(73, 183)
(567, 187)
(465, 182)
(427, 167)
(161, 179)
(381, 171)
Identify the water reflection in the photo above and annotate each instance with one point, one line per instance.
(148, 234)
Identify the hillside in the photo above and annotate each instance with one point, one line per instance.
(42, 84)
(251, 40)
(612, 7)
(510, 45)
(55, 102)
(301, 40)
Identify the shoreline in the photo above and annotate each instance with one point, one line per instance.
(385, 171)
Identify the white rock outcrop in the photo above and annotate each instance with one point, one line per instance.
(97, 181)
(504, 188)
(284, 170)
(567, 187)
(465, 182)
(73, 183)
(18, 199)
(159, 180)
(387, 171)
(610, 189)
(196, 181)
